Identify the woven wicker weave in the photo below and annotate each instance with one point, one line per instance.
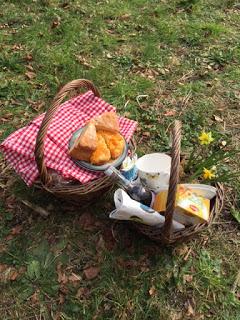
(74, 191)
(165, 234)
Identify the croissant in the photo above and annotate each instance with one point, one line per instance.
(114, 142)
(85, 144)
(102, 154)
(107, 121)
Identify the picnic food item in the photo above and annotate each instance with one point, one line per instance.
(128, 209)
(135, 190)
(99, 146)
(190, 208)
(203, 190)
(102, 154)
(107, 121)
(114, 142)
(85, 144)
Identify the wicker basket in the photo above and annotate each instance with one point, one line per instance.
(165, 234)
(50, 181)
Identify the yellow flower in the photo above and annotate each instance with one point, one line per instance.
(205, 137)
(209, 174)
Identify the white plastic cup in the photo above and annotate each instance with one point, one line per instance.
(154, 171)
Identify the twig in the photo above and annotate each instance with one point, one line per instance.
(139, 97)
(124, 107)
(41, 211)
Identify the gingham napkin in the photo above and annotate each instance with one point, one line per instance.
(18, 148)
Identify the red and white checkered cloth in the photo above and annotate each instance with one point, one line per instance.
(19, 147)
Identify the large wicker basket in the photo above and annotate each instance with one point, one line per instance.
(50, 181)
(165, 234)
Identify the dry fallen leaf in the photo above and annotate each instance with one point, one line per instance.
(170, 113)
(9, 237)
(16, 230)
(3, 248)
(217, 118)
(91, 272)
(29, 68)
(83, 293)
(152, 291)
(13, 275)
(61, 298)
(187, 278)
(55, 23)
(146, 134)
(190, 310)
(28, 57)
(3, 267)
(74, 277)
(35, 297)
(87, 221)
(30, 75)
(62, 278)
(10, 273)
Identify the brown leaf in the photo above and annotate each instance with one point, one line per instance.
(190, 309)
(13, 275)
(146, 134)
(61, 298)
(128, 264)
(91, 272)
(62, 278)
(9, 273)
(55, 23)
(87, 221)
(3, 267)
(83, 293)
(29, 68)
(125, 16)
(28, 57)
(9, 237)
(35, 297)
(3, 248)
(16, 230)
(109, 241)
(30, 75)
(187, 278)
(217, 118)
(152, 291)
(170, 113)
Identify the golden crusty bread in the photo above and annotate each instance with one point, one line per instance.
(102, 154)
(85, 144)
(114, 142)
(107, 121)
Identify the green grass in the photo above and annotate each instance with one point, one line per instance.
(182, 55)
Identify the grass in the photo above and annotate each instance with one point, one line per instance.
(147, 58)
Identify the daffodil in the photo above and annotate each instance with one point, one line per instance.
(208, 174)
(205, 137)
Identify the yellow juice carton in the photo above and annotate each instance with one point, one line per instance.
(190, 208)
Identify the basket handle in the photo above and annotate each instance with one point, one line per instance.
(39, 148)
(174, 178)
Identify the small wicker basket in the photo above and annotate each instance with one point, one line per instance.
(165, 234)
(50, 181)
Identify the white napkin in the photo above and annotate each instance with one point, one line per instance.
(129, 209)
